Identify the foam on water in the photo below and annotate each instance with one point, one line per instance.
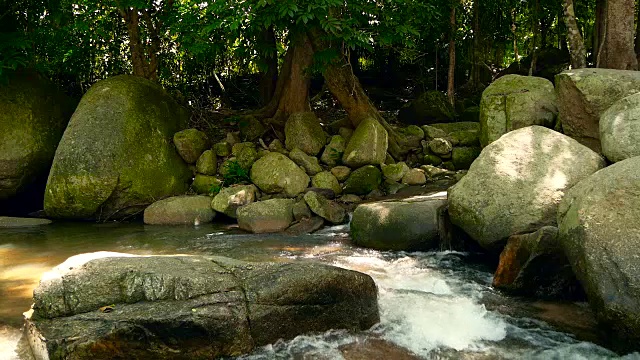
(9, 338)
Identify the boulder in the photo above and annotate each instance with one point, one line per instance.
(229, 199)
(305, 226)
(116, 156)
(222, 149)
(394, 172)
(393, 225)
(449, 128)
(367, 146)
(276, 146)
(440, 147)
(599, 226)
(251, 128)
(276, 173)
(33, 116)
(409, 137)
(327, 209)
(463, 157)
(191, 143)
(465, 138)
(189, 307)
(341, 172)
(363, 180)
(301, 210)
(428, 108)
(205, 184)
(620, 129)
(303, 131)
(246, 156)
(346, 134)
(180, 210)
(8, 222)
(470, 114)
(333, 152)
(432, 132)
(431, 159)
(414, 177)
(513, 102)
(433, 172)
(309, 163)
(233, 138)
(266, 216)
(326, 180)
(516, 183)
(585, 94)
(239, 147)
(534, 265)
(207, 163)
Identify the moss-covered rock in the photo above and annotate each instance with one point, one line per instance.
(207, 163)
(309, 163)
(229, 199)
(251, 129)
(276, 173)
(431, 159)
(191, 143)
(266, 216)
(276, 146)
(441, 147)
(414, 177)
(333, 152)
(470, 114)
(303, 131)
(367, 146)
(206, 184)
(430, 107)
(463, 157)
(410, 137)
(432, 132)
(346, 134)
(301, 210)
(180, 210)
(394, 172)
(620, 129)
(222, 149)
(364, 180)
(246, 157)
(33, 116)
(341, 172)
(449, 128)
(464, 138)
(326, 180)
(327, 209)
(116, 156)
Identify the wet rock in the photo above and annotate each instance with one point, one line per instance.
(513, 179)
(196, 307)
(303, 131)
(535, 265)
(428, 108)
(414, 177)
(191, 143)
(367, 146)
(276, 173)
(326, 180)
(266, 216)
(363, 180)
(207, 163)
(229, 199)
(19, 222)
(333, 152)
(324, 208)
(305, 226)
(620, 129)
(301, 211)
(341, 172)
(448, 165)
(433, 172)
(180, 210)
(205, 184)
(393, 225)
(309, 163)
(327, 193)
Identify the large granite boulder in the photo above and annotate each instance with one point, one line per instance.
(189, 307)
(33, 116)
(180, 210)
(620, 129)
(404, 225)
(276, 173)
(367, 146)
(513, 102)
(116, 156)
(599, 222)
(428, 108)
(584, 94)
(268, 216)
(229, 199)
(303, 131)
(516, 183)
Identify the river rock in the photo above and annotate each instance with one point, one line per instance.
(266, 216)
(222, 149)
(395, 172)
(516, 183)
(414, 177)
(33, 116)
(333, 152)
(327, 209)
(246, 156)
(191, 143)
(276, 146)
(535, 265)
(303, 131)
(431, 159)
(367, 146)
(305, 226)
(585, 94)
(441, 147)
(301, 210)
(450, 128)
(276, 173)
(393, 225)
(326, 180)
(205, 184)
(620, 129)
(189, 307)
(207, 163)
(341, 172)
(309, 163)
(513, 102)
(409, 137)
(463, 157)
(251, 128)
(116, 156)
(8, 222)
(599, 222)
(180, 210)
(428, 108)
(364, 180)
(229, 199)
(465, 138)
(431, 132)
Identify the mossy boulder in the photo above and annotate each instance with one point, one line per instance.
(363, 180)
(33, 116)
(326, 180)
(276, 173)
(464, 138)
(327, 209)
(620, 129)
(222, 149)
(428, 108)
(309, 163)
(246, 157)
(251, 128)
(191, 143)
(514, 102)
(470, 114)
(414, 177)
(229, 199)
(367, 146)
(207, 163)
(333, 152)
(116, 156)
(431, 159)
(410, 137)
(394, 172)
(449, 128)
(441, 147)
(463, 157)
(432, 132)
(206, 184)
(341, 172)
(180, 210)
(268, 216)
(303, 131)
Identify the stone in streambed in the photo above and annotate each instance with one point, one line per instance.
(303, 131)
(207, 163)
(364, 180)
(266, 216)
(229, 199)
(18, 222)
(327, 209)
(276, 173)
(180, 210)
(191, 143)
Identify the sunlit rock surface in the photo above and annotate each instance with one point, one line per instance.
(111, 305)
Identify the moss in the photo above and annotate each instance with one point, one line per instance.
(326, 180)
(367, 146)
(207, 163)
(363, 180)
(463, 157)
(303, 131)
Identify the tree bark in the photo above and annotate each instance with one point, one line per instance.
(534, 46)
(269, 78)
(618, 51)
(637, 41)
(574, 38)
(598, 31)
(475, 66)
(452, 56)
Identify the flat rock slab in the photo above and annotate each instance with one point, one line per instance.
(112, 305)
(18, 222)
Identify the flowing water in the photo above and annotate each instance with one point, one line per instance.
(436, 305)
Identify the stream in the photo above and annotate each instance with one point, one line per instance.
(433, 305)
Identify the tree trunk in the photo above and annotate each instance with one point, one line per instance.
(574, 38)
(515, 37)
(269, 78)
(637, 43)
(534, 46)
(475, 65)
(452, 56)
(598, 31)
(618, 52)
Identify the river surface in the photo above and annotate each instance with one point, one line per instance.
(435, 305)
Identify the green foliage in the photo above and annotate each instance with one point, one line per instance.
(234, 173)
(215, 189)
